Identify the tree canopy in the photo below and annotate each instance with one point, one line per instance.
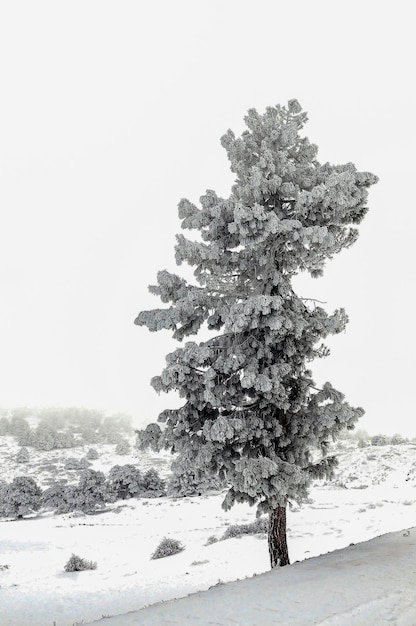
(251, 411)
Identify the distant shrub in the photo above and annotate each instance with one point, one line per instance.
(65, 440)
(89, 434)
(25, 438)
(18, 426)
(362, 443)
(211, 539)
(55, 497)
(238, 530)
(167, 547)
(153, 484)
(4, 426)
(21, 412)
(114, 438)
(47, 437)
(76, 464)
(44, 437)
(92, 454)
(353, 434)
(379, 440)
(77, 564)
(21, 497)
(112, 427)
(91, 492)
(22, 456)
(53, 416)
(123, 447)
(125, 481)
(398, 439)
(3, 487)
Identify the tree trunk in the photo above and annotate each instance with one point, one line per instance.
(279, 555)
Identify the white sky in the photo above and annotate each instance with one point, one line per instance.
(110, 112)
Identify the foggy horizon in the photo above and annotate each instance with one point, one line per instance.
(112, 114)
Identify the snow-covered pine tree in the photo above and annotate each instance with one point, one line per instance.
(251, 410)
(21, 497)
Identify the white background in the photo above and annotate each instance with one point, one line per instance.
(110, 112)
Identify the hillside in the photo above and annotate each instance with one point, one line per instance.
(373, 492)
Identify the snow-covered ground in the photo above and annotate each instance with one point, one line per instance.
(374, 493)
(369, 584)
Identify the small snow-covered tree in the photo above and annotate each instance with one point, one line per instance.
(398, 439)
(89, 435)
(21, 497)
(18, 424)
(3, 487)
(65, 439)
(4, 426)
(125, 481)
(22, 456)
(77, 464)
(77, 564)
(57, 497)
(44, 437)
(91, 492)
(251, 411)
(167, 547)
(92, 454)
(20, 429)
(153, 484)
(123, 447)
(380, 440)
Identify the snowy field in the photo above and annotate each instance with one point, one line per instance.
(374, 493)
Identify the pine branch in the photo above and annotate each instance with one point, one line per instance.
(313, 300)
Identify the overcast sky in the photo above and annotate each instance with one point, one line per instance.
(111, 112)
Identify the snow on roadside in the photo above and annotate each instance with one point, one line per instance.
(367, 584)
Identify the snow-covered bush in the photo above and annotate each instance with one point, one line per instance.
(92, 454)
(22, 456)
(398, 439)
(65, 440)
(3, 487)
(123, 447)
(47, 437)
(25, 438)
(114, 438)
(54, 416)
(125, 481)
(362, 443)
(211, 539)
(112, 427)
(238, 530)
(76, 464)
(21, 497)
(167, 547)
(4, 426)
(379, 440)
(77, 564)
(58, 497)
(88, 434)
(18, 425)
(91, 492)
(44, 437)
(153, 484)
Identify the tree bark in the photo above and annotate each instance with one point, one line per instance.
(279, 555)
